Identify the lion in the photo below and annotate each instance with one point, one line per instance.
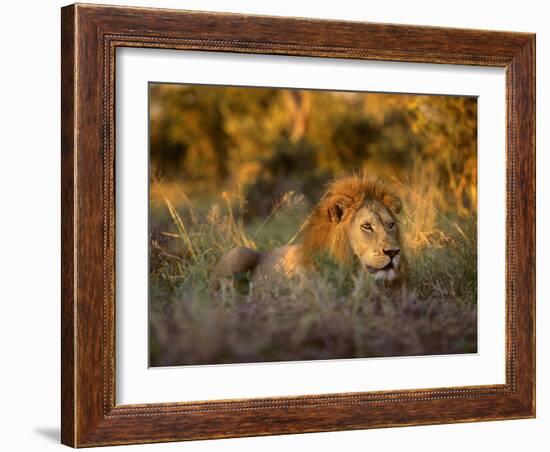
(357, 218)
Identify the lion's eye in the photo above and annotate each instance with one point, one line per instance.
(391, 225)
(366, 227)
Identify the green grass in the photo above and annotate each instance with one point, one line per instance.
(336, 313)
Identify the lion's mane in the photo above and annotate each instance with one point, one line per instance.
(327, 228)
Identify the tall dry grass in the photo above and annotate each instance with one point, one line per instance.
(338, 313)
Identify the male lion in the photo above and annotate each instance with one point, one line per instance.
(356, 216)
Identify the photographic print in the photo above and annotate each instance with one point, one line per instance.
(298, 224)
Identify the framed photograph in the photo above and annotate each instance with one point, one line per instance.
(282, 225)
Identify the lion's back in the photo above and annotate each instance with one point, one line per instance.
(283, 262)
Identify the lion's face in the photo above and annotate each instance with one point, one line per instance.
(357, 216)
(374, 239)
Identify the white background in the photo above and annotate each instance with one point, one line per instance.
(135, 383)
(29, 382)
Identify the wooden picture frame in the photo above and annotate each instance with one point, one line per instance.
(90, 36)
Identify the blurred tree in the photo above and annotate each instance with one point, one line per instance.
(272, 140)
(188, 138)
(298, 103)
(291, 167)
(447, 128)
(352, 139)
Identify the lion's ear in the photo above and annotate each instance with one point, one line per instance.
(393, 203)
(337, 206)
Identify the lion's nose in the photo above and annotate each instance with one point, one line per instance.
(392, 253)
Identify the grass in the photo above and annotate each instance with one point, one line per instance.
(337, 313)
